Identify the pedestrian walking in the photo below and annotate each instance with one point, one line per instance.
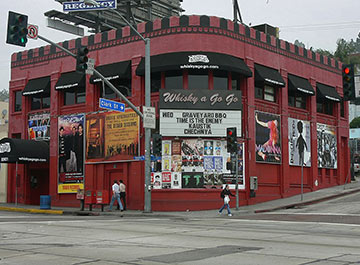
(123, 194)
(116, 195)
(225, 195)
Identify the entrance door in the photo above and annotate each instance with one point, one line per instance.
(38, 184)
(119, 173)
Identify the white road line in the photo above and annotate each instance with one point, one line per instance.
(291, 222)
(335, 214)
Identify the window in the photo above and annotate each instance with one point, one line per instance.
(220, 80)
(297, 100)
(198, 79)
(123, 85)
(155, 82)
(235, 81)
(75, 95)
(269, 93)
(265, 92)
(18, 101)
(40, 101)
(174, 80)
(325, 107)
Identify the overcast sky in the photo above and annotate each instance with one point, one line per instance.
(316, 23)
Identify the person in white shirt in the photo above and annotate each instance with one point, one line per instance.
(116, 195)
(123, 193)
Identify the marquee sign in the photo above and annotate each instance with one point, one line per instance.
(198, 123)
(200, 99)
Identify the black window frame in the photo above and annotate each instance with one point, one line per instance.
(297, 100)
(75, 90)
(43, 98)
(261, 93)
(18, 101)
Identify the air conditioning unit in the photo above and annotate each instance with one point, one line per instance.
(253, 183)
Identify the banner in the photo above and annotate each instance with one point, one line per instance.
(70, 153)
(197, 123)
(267, 136)
(39, 127)
(326, 146)
(299, 142)
(112, 136)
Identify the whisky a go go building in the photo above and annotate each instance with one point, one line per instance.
(207, 74)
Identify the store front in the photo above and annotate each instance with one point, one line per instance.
(207, 74)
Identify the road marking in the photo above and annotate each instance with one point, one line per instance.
(335, 214)
(290, 222)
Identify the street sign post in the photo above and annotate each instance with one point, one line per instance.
(81, 6)
(111, 105)
(90, 66)
(149, 120)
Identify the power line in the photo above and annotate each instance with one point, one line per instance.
(323, 26)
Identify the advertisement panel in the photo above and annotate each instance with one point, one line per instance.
(39, 126)
(112, 136)
(198, 123)
(299, 142)
(267, 136)
(326, 146)
(71, 153)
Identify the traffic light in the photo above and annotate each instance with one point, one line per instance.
(81, 59)
(348, 82)
(157, 138)
(231, 140)
(17, 29)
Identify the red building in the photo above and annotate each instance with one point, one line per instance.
(207, 74)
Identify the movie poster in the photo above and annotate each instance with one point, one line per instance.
(299, 142)
(112, 136)
(71, 153)
(267, 134)
(326, 146)
(39, 127)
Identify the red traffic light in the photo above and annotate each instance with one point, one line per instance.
(230, 133)
(347, 70)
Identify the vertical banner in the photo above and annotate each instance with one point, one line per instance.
(71, 153)
(267, 134)
(326, 146)
(299, 142)
(39, 126)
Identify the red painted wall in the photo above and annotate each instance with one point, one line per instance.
(275, 181)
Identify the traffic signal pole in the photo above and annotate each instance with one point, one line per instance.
(131, 105)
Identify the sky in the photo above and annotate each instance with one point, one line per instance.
(316, 23)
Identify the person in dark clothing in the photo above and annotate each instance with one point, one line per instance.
(225, 195)
(62, 151)
(123, 193)
(79, 148)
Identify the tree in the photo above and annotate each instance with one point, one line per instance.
(4, 95)
(355, 123)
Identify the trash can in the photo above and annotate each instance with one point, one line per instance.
(45, 202)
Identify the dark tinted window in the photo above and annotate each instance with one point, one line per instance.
(198, 80)
(174, 80)
(18, 101)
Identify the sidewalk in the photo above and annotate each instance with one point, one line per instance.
(291, 202)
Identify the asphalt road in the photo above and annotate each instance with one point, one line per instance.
(324, 233)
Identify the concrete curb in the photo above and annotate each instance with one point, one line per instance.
(15, 209)
(293, 205)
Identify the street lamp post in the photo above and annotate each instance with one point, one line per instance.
(147, 188)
